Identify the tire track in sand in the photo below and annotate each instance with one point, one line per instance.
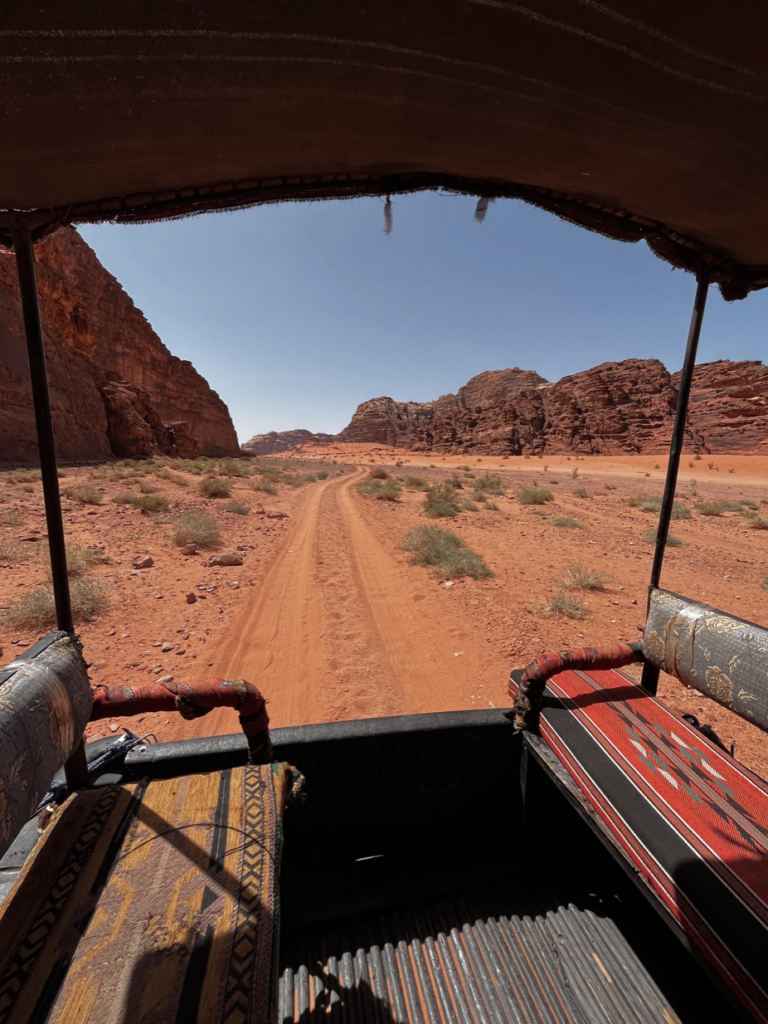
(340, 629)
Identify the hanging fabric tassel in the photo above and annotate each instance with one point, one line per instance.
(482, 208)
(388, 217)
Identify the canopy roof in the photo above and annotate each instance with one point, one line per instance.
(638, 118)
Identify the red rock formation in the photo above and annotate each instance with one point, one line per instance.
(282, 441)
(115, 388)
(611, 409)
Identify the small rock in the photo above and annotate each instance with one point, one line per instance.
(234, 585)
(202, 597)
(112, 632)
(168, 646)
(180, 650)
(30, 537)
(165, 679)
(634, 600)
(157, 669)
(189, 549)
(259, 511)
(278, 515)
(185, 636)
(449, 583)
(143, 562)
(228, 559)
(91, 512)
(158, 597)
(114, 727)
(158, 643)
(191, 598)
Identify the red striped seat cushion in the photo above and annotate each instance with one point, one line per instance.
(690, 819)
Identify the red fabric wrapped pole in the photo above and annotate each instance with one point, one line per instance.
(192, 700)
(529, 697)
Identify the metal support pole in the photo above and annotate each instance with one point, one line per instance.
(650, 672)
(25, 266)
(76, 769)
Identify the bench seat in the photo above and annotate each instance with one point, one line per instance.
(150, 902)
(690, 820)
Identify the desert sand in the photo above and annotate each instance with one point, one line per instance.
(328, 618)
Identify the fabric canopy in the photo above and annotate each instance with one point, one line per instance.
(637, 118)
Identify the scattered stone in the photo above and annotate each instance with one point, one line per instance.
(189, 549)
(259, 511)
(112, 632)
(167, 646)
(158, 597)
(114, 727)
(228, 559)
(30, 537)
(278, 515)
(191, 598)
(202, 597)
(157, 669)
(143, 562)
(185, 636)
(165, 679)
(91, 512)
(181, 650)
(234, 585)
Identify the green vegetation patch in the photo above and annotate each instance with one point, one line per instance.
(567, 523)
(415, 483)
(381, 490)
(652, 504)
(672, 541)
(533, 495)
(211, 487)
(196, 527)
(85, 494)
(441, 501)
(37, 610)
(237, 507)
(444, 552)
(561, 604)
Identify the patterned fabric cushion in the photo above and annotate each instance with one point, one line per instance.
(150, 903)
(45, 702)
(693, 822)
(724, 657)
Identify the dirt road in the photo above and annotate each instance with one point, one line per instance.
(340, 627)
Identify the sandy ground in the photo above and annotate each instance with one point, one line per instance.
(328, 618)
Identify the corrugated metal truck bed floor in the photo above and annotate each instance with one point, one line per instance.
(494, 957)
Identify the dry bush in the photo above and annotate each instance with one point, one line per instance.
(490, 484)
(672, 541)
(11, 517)
(12, 553)
(323, 474)
(443, 551)
(756, 523)
(490, 506)
(172, 478)
(146, 487)
(213, 488)
(567, 523)
(25, 476)
(37, 610)
(581, 492)
(84, 493)
(196, 527)
(415, 483)
(441, 502)
(261, 483)
(468, 505)
(561, 604)
(373, 487)
(716, 508)
(237, 507)
(234, 467)
(148, 503)
(648, 503)
(533, 495)
(379, 474)
(578, 577)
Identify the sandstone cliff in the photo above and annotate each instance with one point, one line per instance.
(116, 390)
(613, 408)
(281, 441)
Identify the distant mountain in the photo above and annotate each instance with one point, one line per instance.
(274, 441)
(613, 408)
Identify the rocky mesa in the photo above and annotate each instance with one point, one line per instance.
(116, 390)
(614, 408)
(282, 441)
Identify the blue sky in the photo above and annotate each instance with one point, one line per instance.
(297, 313)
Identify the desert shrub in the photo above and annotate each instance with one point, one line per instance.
(747, 504)
(234, 467)
(86, 494)
(468, 505)
(196, 527)
(567, 523)
(490, 484)
(383, 490)
(490, 506)
(443, 551)
(146, 487)
(379, 474)
(323, 474)
(213, 488)
(124, 498)
(189, 466)
(578, 577)
(11, 517)
(672, 541)
(440, 501)
(24, 476)
(756, 523)
(263, 484)
(561, 604)
(27, 488)
(237, 507)
(12, 553)
(37, 610)
(172, 478)
(554, 482)
(533, 495)
(415, 483)
(581, 492)
(764, 584)
(716, 508)
(151, 503)
(79, 559)
(455, 482)
(652, 504)
(574, 472)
